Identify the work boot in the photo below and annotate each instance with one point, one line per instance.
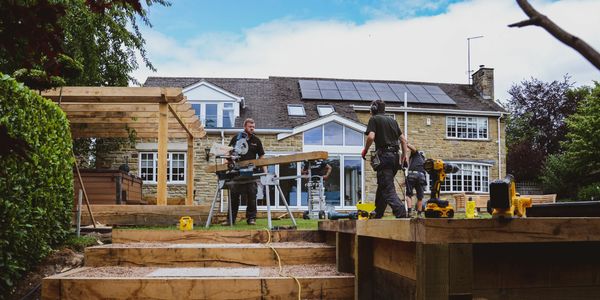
(226, 223)
(251, 222)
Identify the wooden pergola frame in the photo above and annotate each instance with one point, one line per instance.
(115, 111)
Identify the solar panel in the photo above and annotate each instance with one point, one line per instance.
(381, 87)
(363, 86)
(369, 91)
(350, 95)
(308, 84)
(415, 88)
(345, 86)
(368, 95)
(327, 85)
(425, 98)
(434, 89)
(388, 96)
(331, 94)
(311, 94)
(444, 99)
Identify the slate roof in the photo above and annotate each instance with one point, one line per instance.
(267, 99)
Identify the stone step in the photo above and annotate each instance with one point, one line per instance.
(208, 255)
(317, 282)
(214, 236)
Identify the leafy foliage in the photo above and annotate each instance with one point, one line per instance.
(85, 42)
(36, 189)
(537, 123)
(579, 165)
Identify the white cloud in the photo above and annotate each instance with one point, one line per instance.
(430, 49)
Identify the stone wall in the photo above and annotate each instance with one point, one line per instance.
(429, 138)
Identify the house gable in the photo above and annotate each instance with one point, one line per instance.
(205, 91)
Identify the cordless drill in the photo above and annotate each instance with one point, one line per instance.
(437, 170)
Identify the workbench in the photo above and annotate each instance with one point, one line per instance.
(532, 258)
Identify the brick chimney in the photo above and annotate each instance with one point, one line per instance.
(483, 82)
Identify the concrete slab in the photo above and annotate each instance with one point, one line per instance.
(205, 272)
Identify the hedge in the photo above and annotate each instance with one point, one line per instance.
(36, 190)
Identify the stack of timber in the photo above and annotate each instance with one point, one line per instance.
(164, 264)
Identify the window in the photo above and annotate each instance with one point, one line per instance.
(216, 115)
(471, 128)
(228, 115)
(296, 110)
(176, 162)
(472, 177)
(333, 134)
(325, 109)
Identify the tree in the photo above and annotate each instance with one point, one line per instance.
(538, 19)
(47, 43)
(576, 171)
(537, 123)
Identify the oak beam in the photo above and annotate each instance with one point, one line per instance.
(163, 136)
(189, 199)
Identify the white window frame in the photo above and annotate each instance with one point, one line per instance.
(292, 106)
(169, 167)
(220, 111)
(478, 122)
(483, 186)
(320, 109)
(340, 149)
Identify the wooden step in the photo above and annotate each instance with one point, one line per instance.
(207, 255)
(214, 236)
(127, 283)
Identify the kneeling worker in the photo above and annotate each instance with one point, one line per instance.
(386, 134)
(416, 178)
(246, 191)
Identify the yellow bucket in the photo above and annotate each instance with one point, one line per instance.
(186, 223)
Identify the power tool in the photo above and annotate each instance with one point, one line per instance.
(437, 169)
(504, 201)
(364, 211)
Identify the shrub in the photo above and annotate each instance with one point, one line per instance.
(36, 182)
(589, 192)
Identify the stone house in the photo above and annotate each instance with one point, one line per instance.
(458, 123)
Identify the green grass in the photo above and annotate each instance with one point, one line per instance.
(261, 224)
(80, 243)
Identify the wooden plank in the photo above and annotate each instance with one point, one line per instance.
(546, 293)
(460, 271)
(283, 159)
(432, 271)
(345, 226)
(145, 215)
(395, 229)
(396, 257)
(180, 120)
(114, 94)
(363, 266)
(524, 230)
(338, 287)
(343, 252)
(163, 138)
(200, 236)
(123, 134)
(206, 255)
(389, 285)
(189, 199)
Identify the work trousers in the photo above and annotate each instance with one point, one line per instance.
(245, 192)
(386, 191)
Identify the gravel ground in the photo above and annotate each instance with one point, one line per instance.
(295, 270)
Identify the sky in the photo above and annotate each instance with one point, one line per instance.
(410, 40)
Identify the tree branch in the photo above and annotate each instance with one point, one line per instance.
(537, 19)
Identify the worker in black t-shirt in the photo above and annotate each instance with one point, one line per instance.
(388, 138)
(246, 191)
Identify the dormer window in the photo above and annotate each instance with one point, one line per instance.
(296, 110)
(216, 107)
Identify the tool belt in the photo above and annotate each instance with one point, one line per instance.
(416, 177)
